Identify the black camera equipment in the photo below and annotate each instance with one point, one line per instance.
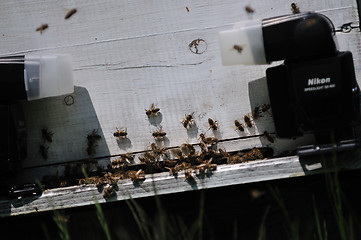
(315, 89)
(26, 78)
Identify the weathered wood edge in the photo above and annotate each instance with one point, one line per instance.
(162, 183)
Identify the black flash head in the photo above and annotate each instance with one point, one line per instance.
(315, 89)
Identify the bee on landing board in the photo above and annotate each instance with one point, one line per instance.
(207, 140)
(152, 110)
(120, 133)
(239, 125)
(247, 121)
(158, 134)
(294, 8)
(187, 121)
(213, 124)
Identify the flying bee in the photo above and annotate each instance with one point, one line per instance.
(212, 124)
(120, 133)
(159, 133)
(187, 121)
(268, 137)
(247, 121)
(70, 13)
(294, 8)
(42, 28)
(238, 48)
(47, 135)
(152, 110)
(207, 140)
(249, 9)
(239, 125)
(188, 175)
(44, 151)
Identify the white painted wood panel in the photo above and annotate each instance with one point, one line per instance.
(129, 54)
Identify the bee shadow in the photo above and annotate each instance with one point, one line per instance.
(193, 184)
(138, 183)
(217, 134)
(164, 142)
(112, 198)
(156, 120)
(124, 143)
(192, 132)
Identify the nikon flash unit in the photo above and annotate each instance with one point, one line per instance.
(29, 77)
(314, 90)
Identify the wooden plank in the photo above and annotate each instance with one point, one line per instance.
(129, 55)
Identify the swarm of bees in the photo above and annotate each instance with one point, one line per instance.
(159, 159)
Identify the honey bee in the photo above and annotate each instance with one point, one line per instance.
(238, 48)
(249, 9)
(187, 121)
(235, 159)
(136, 176)
(44, 151)
(265, 107)
(157, 150)
(47, 135)
(212, 124)
(120, 133)
(178, 153)
(247, 121)
(42, 28)
(187, 9)
(188, 148)
(159, 133)
(268, 137)
(208, 140)
(126, 157)
(109, 191)
(70, 13)
(148, 157)
(152, 111)
(257, 153)
(239, 125)
(188, 175)
(206, 167)
(255, 113)
(294, 8)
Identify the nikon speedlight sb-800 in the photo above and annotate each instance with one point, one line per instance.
(314, 90)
